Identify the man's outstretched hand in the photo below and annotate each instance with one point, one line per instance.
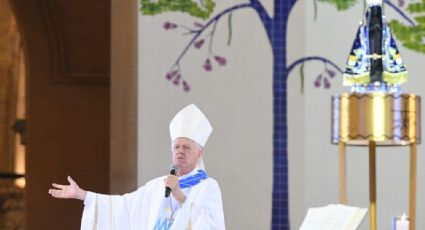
(71, 191)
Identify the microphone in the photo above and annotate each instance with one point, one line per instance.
(173, 171)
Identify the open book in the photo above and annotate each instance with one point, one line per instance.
(333, 217)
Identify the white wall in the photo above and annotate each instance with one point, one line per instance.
(296, 106)
(237, 99)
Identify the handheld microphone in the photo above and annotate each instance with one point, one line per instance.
(173, 171)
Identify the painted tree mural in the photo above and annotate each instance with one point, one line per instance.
(202, 34)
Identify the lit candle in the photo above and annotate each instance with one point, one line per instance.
(402, 223)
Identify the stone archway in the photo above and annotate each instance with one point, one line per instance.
(12, 121)
(67, 55)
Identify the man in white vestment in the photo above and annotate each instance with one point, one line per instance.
(195, 200)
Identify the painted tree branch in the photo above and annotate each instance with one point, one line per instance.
(200, 31)
(402, 14)
(264, 17)
(312, 58)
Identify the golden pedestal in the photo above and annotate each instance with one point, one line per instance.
(376, 119)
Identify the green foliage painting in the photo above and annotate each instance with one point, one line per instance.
(341, 4)
(412, 37)
(202, 10)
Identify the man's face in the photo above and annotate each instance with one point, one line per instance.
(185, 154)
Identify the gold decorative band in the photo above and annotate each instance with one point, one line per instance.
(375, 56)
(384, 118)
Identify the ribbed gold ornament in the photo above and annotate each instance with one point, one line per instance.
(387, 119)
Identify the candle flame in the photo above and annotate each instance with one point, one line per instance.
(404, 217)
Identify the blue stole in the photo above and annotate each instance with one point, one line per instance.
(164, 223)
(193, 180)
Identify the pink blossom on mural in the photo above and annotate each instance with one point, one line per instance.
(318, 81)
(177, 80)
(326, 83)
(400, 3)
(171, 74)
(220, 60)
(207, 65)
(331, 73)
(199, 44)
(197, 24)
(169, 25)
(186, 86)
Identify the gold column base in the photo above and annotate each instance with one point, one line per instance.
(412, 187)
(372, 184)
(342, 174)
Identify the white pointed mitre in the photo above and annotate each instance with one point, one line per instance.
(191, 123)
